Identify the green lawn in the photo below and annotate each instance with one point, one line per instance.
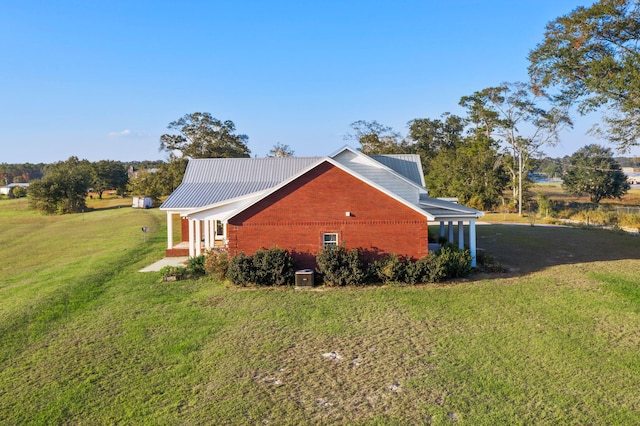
(86, 339)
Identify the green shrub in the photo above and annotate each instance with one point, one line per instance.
(241, 270)
(455, 261)
(434, 268)
(429, 269)
(477, 202)
(596, 217)
(195, 265)
(173, 272)
(546, 206)
(416, 271)
(18, 192)
(216, 264)
(273, 266)
(267, 267)
(393, 269)
(630, 220)
(340, 267)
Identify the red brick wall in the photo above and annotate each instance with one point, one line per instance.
(295, 217)
(185, 229)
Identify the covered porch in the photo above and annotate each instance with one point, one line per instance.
(197, 235)
(449, 215)
(453, 231)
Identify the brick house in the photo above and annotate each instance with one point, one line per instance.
(377, 203)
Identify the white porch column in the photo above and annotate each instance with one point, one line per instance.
(207, 234)
(450, 226)
(192, 238)
(212, 232)
(472, 241)
(198, 238)
(460, 235)
(442, 233)
(169, 230)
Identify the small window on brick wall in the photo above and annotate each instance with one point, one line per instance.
(329, 240)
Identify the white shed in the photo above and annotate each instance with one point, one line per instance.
(142, 203)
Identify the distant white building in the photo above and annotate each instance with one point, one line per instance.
(633, 177)
(142, 203)
(6, 190)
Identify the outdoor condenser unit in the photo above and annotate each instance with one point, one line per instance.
(304, 278)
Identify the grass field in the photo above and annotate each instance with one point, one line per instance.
(555, 192)
(86, 339)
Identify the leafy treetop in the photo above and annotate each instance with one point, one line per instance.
(594, 171)
(592, 57)
(202, 136)
(281, 150)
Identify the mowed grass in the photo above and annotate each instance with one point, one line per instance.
(86, 339)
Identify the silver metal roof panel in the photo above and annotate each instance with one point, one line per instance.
(212, 180)
(408, 165)
(245, 169)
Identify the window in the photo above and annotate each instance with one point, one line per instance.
(329, 240)
(219, 230)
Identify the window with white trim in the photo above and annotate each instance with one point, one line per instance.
(329, 240)
(219, 230)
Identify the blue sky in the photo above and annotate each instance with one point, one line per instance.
(101, 80)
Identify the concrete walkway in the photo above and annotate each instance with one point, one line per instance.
(167, 261)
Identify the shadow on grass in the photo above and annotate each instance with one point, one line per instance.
(526, 249)
(99, 209)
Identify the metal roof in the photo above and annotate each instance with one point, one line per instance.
(442, 209)
(270, 169)
(408, 165)
(212, 180)
(208, 182)
(379, 173)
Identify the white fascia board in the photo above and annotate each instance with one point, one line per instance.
(222, 211)
(225, 202)
(453, 218)
(454, 215)
(344, 148)
(379, 165)
(455, 208)
(180, 211)
(226, 208)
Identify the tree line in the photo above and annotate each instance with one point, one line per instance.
(589, 60)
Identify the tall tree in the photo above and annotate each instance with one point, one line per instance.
(471, 171)
(551, 167)
(160, 181)
(594, 171)
(10, 173)
(108, 174)
(510, 113)
(592, 57)
(63, 188)
(376, 138)
(280, 150)
(429, 137)
(202, 136)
